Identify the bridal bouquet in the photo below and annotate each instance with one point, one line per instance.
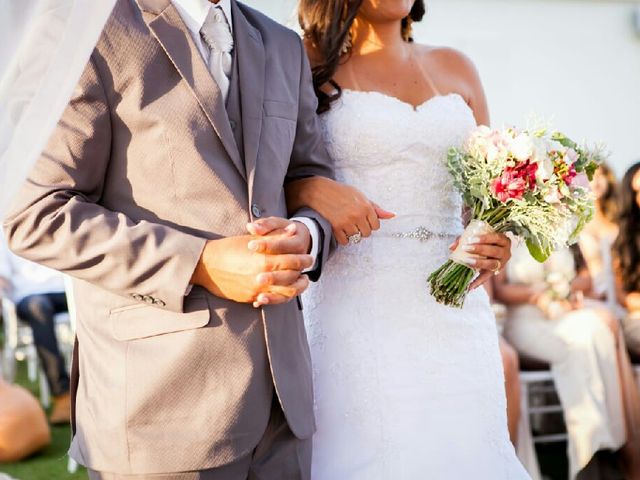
(534, 184)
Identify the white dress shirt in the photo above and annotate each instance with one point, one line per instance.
(194, 13)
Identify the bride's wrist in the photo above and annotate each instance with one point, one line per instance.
(315, 190)
(300, 193)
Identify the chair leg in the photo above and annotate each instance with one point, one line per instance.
(45, 394)
(9, 365)
(72, 466)
(32, 363)
(526, 448)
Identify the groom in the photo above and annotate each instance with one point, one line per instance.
(192, 362)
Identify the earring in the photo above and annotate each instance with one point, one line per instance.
(347, 44)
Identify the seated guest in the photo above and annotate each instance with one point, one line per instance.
(38, 293)
(547, 322)
(626, 253)
(598, 236)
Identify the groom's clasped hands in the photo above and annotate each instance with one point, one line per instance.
(262, 268)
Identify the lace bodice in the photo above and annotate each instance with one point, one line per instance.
(397, 154)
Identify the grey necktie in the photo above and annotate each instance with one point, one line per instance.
(216, 35)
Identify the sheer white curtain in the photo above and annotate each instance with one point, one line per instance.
(44, 46)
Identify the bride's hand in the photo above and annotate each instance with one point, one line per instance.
(493, 251)
(346, 208)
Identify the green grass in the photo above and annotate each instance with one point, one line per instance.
(51, 463)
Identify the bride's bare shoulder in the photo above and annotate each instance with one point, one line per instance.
(449, 61)
(453, 71)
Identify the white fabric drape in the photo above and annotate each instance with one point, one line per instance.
(44, 46)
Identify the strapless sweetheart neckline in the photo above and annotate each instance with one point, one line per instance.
(415, 108)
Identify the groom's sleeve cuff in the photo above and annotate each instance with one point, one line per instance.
(314, 230)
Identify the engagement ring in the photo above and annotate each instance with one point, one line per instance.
(496, 270)
(355, 239)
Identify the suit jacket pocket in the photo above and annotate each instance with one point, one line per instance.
(286, 110)
(142, 321)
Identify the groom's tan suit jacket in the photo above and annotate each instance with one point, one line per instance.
(145, 164)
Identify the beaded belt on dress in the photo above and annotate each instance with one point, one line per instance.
(419, 233)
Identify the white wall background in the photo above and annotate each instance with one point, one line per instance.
(575, 63)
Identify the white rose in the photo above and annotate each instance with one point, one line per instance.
(545, 169)
(541, 157)
(493, 153)
(555, 145)
(522, 147)
(478, 147)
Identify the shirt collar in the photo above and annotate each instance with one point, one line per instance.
(194, 12)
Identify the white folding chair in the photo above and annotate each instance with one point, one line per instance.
(18, 343)
(18, 346)
(535, 389)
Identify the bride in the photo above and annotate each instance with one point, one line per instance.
(405, 388)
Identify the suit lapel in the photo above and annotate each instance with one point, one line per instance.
(169, 29)
(251, 69)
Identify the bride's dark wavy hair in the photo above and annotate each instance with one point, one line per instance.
(326, 25)
(626, 248)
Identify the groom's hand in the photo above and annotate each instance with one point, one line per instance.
(229, 269)
(278, 236)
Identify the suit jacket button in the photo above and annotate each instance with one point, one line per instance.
(137, 297)
(255, 209)
(147, 299)
(158, 302)
(233, 124)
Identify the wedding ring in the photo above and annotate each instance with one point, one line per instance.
(496, 270)
(355, 239)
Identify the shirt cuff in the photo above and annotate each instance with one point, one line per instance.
(314, 230)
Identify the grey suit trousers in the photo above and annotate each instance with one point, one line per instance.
(280, 455)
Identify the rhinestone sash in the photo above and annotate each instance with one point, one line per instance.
(422, 234)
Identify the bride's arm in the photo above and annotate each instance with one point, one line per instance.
(345, 207)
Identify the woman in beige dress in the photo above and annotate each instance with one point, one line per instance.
(547, 321)
(598, 236)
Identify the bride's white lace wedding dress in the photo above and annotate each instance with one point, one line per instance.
(406, 388)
